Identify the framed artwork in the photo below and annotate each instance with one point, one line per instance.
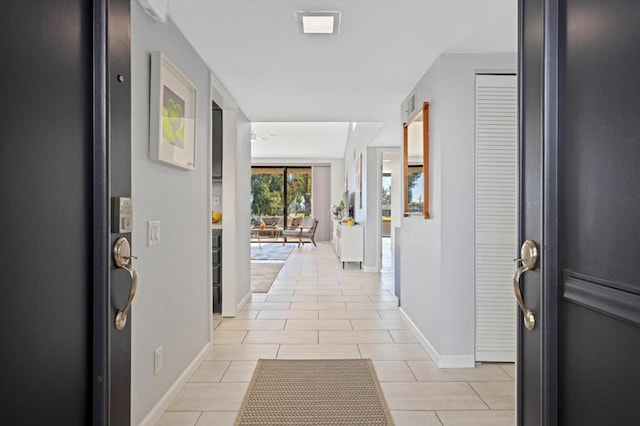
(172, 114)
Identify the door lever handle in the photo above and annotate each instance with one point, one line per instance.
(122, 258)
(529, 258)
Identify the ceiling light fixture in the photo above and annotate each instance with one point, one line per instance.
(318, 22)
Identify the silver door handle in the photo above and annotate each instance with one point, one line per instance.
(529, 259)
(122, 258)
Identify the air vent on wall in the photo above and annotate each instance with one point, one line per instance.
(411, 105)
(156, 9)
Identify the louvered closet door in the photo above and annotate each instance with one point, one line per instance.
(496, 210)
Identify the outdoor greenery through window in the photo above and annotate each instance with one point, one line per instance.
(415, 191)
(281, 191)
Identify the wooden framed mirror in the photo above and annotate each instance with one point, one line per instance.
(416, 163)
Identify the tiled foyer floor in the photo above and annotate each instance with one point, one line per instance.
(315, 309)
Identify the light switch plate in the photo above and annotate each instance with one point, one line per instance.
(153, 233)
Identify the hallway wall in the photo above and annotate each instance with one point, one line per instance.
(171, 308)
(438, 283)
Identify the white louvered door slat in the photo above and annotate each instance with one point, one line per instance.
(496, 216)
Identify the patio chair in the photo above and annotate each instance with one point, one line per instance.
(305, 232)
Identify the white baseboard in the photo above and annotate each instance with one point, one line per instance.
(442, 361)
(370, 269)
(161, 406)
(243, 302)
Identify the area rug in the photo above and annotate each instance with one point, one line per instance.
(271, 251)
(314, 392)
(263, 275)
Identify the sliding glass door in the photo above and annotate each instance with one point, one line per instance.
(281, 191)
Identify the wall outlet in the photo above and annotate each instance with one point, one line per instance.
(157, 360)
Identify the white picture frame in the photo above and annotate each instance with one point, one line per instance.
(173, 112)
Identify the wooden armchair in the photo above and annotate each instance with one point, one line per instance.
(305, 232)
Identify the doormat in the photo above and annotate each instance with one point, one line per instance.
(271, 251)
(263, 275)
(314, 392)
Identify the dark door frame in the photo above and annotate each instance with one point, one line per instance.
(111, 366)
(542, 42)
(101, 228)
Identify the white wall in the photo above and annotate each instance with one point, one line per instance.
(236, 187)
(357, 141)
(321, 201)
(171, 308)
(438, 254)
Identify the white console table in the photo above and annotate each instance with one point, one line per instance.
(348, 243)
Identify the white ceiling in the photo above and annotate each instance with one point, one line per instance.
(299, 140)
(362, 74)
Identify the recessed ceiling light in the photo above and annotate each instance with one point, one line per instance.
(318, 22)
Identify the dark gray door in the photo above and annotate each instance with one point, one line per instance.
(580, 199)
(65, 133)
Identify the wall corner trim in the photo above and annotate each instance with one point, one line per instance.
(442, 361)
(243, 301)
(161, 406)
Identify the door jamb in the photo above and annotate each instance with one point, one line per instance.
(550, 292)
(100, 299)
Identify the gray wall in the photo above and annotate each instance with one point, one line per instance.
(438, 282)
(171, 308)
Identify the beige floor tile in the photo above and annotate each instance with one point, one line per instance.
(403, 336)
(217, 418)
(348, 292)
(509, 368)
(239, 324)
(478, 418)
(394, 352)
(393, 371)
(317, 306)
(281, 336)
(239, 371)
(307, 299)
(308, 315)
(217, 320)
(354, 298)
(349, 315)
(242, 352)
(427, 371)
(318, 352)
(383, 298)
(354, 336)
(379, 324)
(273, 292)
(387, 313)
(209, 397)
(403, 396)
(372, 305)
(179, 419)
(266, 306)
(317, 292)
(498, 395)
(331, 324)
(415, 418)
(246, 315)
(210, 372)
(258, 297)
(228, 337)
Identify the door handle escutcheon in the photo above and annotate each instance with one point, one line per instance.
(529, 259)
(122, 258)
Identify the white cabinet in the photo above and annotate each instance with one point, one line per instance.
(349, 243)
